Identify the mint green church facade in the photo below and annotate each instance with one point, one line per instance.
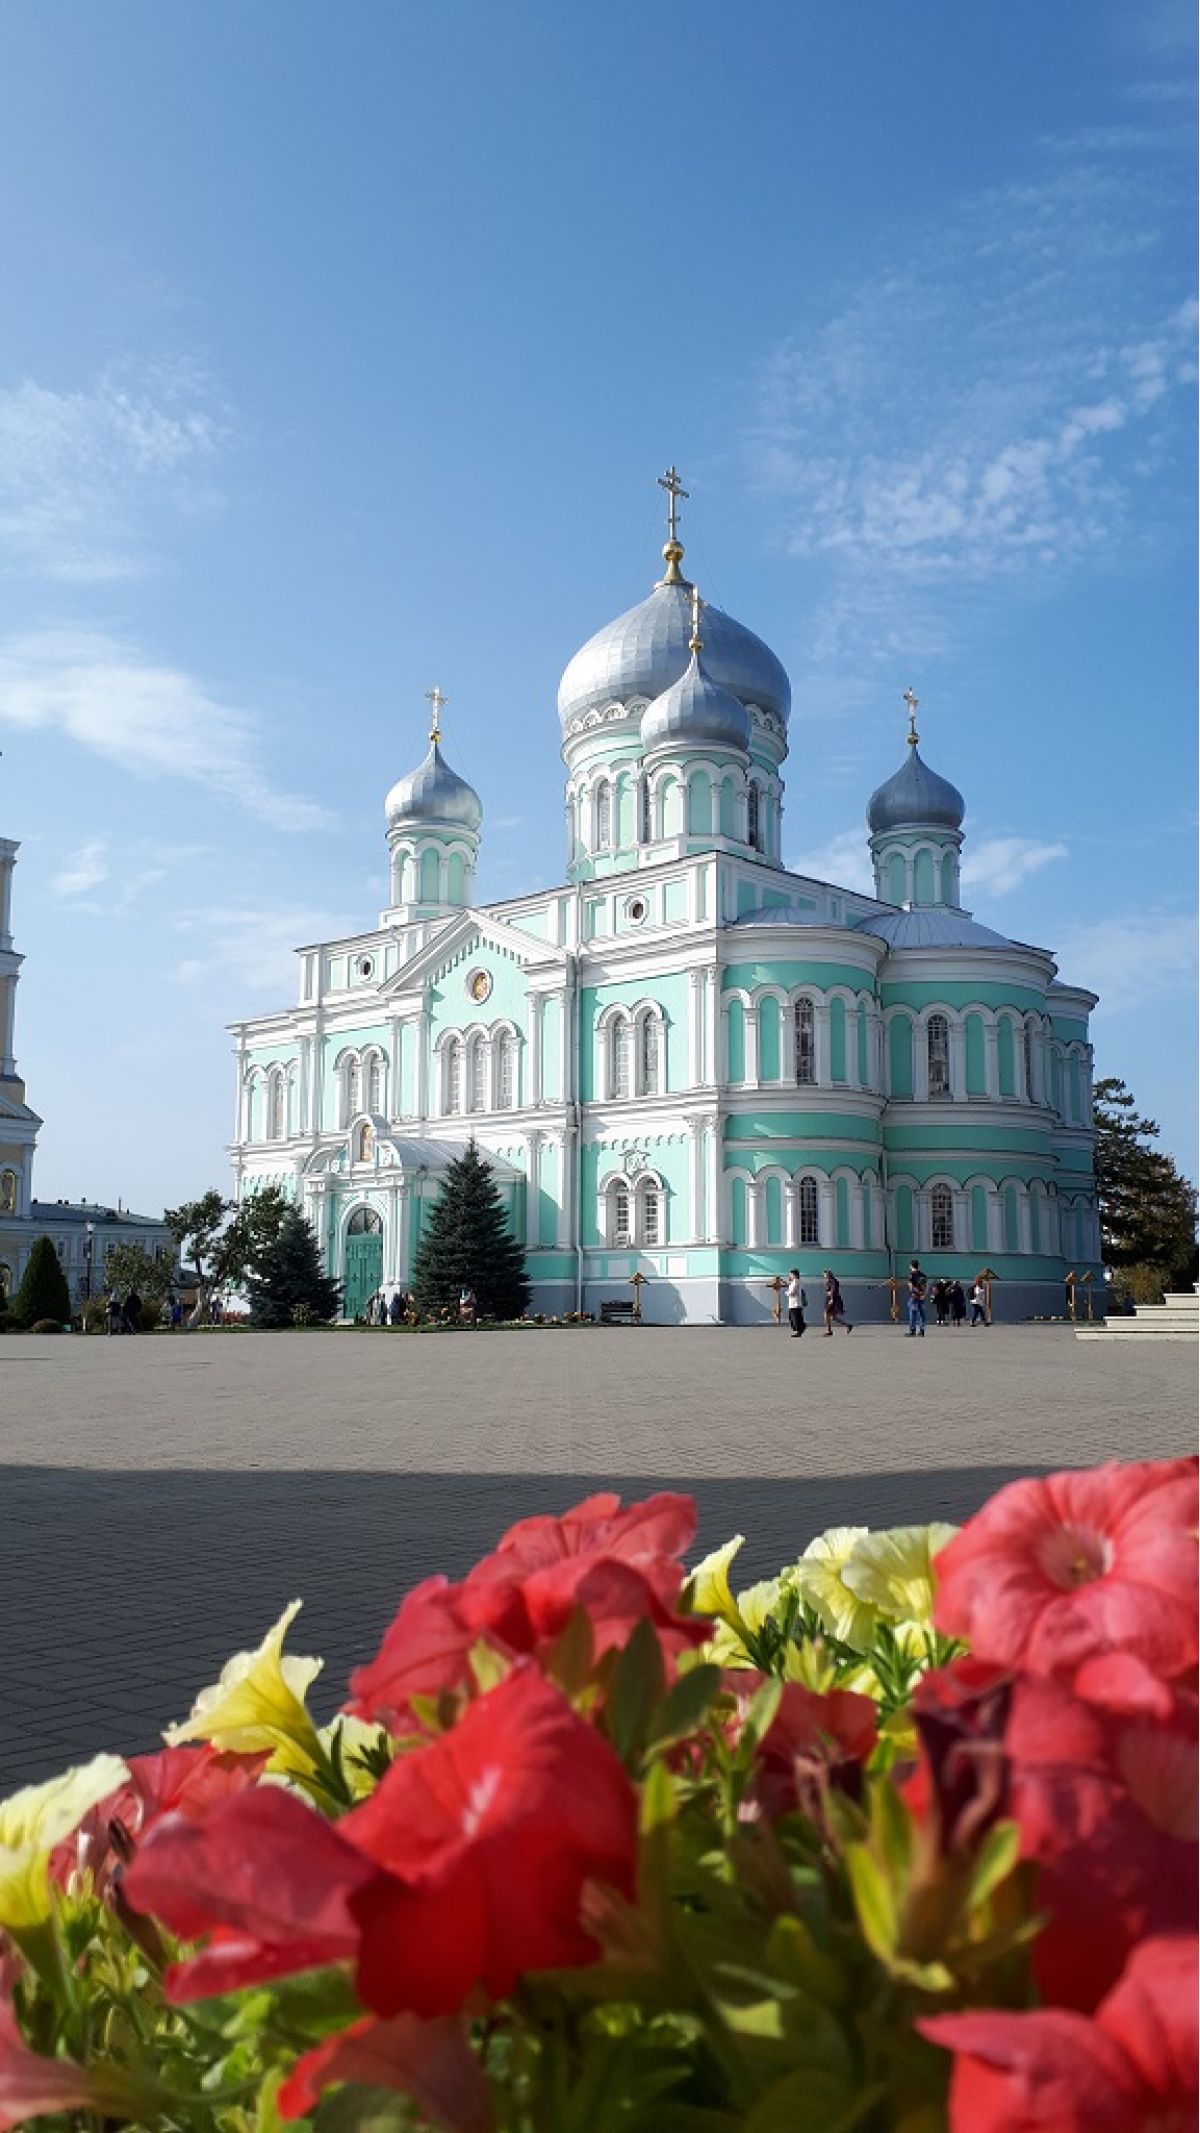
(685, 1060)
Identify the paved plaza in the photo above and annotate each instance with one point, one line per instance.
(161, 1499)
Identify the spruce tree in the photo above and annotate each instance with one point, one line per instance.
(1147, 1209)
(468, 1244)
(43, 1292)
(289, 1272)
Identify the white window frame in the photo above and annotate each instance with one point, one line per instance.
(941, 1217)
(620, 1062)
(506, 1071)
(452, 1077)
(941, 1087)
(604, 816)
(808, 1212)
(648, 1045)
(650, 1214)
(476, 1086)
(804, 1042)
(375, 1082)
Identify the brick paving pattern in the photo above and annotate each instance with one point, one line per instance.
(161, 1499)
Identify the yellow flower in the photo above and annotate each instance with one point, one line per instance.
(893, 1572)
(820, 1578)
(356, 1734)
(33, 1821)
(707, 1590)
(258, 1704)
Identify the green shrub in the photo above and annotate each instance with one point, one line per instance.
(43, 1292)
(46, 1325)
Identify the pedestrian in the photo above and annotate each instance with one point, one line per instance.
(978, 1304)
(835, 1309)
(116, 1314)
(133, 1312)
(176, 1314)
(958, 1303)
(396, 1309)
(941, 1301)
(466, 1305)
(215, 1311)
(917, 1286)
(796, 1302)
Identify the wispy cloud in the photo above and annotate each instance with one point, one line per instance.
(155, 720)
(1130, 958)
(996, 865)
(843, 859)
(85, 472)
(254, 945)
(85, 870)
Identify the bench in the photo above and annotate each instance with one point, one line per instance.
(616, 1312)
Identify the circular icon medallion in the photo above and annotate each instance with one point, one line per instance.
(479, 985)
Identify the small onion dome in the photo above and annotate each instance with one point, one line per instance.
(646, 649)
(916, 798)
(695, 712)
(930, 928)
(434, 793)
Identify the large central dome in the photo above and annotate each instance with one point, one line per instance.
(648, 648)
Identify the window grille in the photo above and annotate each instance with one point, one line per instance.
(941, 1213)
(619, 1041)
(651, 1216)
(806, 1044)
(937, 1039)
(754, 816)
(478, 1081)
(375, 1084)
(645, 827)
(453, 1077)
(807, 1197)
(620, 1215)
(648, 1061)
(604, 836)
(505, 1076)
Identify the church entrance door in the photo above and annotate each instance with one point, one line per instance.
(364, 1262)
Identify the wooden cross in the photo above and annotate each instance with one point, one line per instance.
(895, 1284)
(434, 696)
(911, 702)
(637, 1283)
(779, 1285)
(1071, 1277)
(987, 1275)
(674, 487)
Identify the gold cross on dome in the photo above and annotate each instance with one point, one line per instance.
(911, 701)
(434, 696)
(671, 482)
(696, 644)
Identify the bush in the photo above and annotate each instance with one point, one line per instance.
(95, 1315)
(47, 1325)
(43, 1292)
(289, 1274)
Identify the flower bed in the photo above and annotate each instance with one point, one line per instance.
(901, 1839)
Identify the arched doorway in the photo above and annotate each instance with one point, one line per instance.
(364, 1261)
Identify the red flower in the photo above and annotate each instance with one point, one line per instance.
(267, 1878)
(960, 1785)
(1051, 1573)
(423, 1652)
(429, 2061)
(619, 1565)
(185, 1781)
(488, 1837)
(814, 1741)
(1106, 1804)
(32, 2086)
(1130, 2070)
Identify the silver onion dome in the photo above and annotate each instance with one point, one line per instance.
(647, 649)
(434, 793)
(915, 798)
(696, 712)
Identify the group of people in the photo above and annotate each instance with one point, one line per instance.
(949, 1298)
(384, 1310)
(123, 1314)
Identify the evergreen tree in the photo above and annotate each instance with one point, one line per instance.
(43, 1292)
(1147, 1209)
(468, 1244)
(288, 1272)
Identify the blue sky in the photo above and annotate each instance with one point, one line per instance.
(341, 350)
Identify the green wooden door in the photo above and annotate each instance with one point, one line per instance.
(364, 1271)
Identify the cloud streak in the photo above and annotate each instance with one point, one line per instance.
(255, 944)
(152, 719)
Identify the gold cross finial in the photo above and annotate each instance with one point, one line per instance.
(673, 550)
(911, 701)
(696, 643)
(434, 696)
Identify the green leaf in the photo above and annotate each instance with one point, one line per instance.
(794, 1954)
(892, 1825)
(352, 2109)
(874, 1901)
(572, 1653)
(685, 1706)
(807, 2100)
(759, 1719)
(994, 1861)
(638, 1681)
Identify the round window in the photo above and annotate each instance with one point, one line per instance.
(636, 909)
(479, 985)
(366, 967)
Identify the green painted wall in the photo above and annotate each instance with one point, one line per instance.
(837, 1040)
(1006, 1057)
(800, 1126)
(746, 977)
(769, 1044)
(1029, 1141)
(978, 993)
(976, 1056)
(451, 1005)
(900, 1057)
(552, 1044)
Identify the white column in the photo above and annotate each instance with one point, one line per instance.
(821, 1042)
(754, 1213)
(826, 1213)
(858, 1078)
(568, 1220)
(991, 1059)
(696, 1176)
(958, 1062)
(922, 1220)
(239, 1109)
(533, 1143)
(858, 1211)
(424, 1030)
(875, 1207)
(536, 1006)
(714, 1065)
(403, 1258)
(961, 1202)
(395, 1092)
(995, 1220)
(751, 1045)
(713, 1204)
(1024, 1223)
(875, 1047)
(695, 1028)
(791, 1217)
(920, 1041)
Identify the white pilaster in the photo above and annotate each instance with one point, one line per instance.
(714, 1065)
(961, 1204)
(713, 1202)
(858, 1211)
(754, 1214)
(995, 1221)
(696, 1177)
(424, 1034)
(695, 1028)
(921, 1062)
(751, 1045)
(1024, 1223)
(791, 1218)
(821, 1042)
(826, 1213)
(536, 1028)
(991, 1061)
(958, 1062)
(533, 1143)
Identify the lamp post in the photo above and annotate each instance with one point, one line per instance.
(89, 1240)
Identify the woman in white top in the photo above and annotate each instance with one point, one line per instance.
(796, 1300)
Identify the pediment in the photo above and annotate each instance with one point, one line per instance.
(471, 932)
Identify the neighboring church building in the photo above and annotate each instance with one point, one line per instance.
(685, 1061)
(82, 1234)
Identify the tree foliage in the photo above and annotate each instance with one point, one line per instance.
(468, 1244)
(226, 1240)
(130, 1266)
(1147, 1208)
(288, 1276)
(43, 1292)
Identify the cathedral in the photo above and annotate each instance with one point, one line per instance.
(685, 1062)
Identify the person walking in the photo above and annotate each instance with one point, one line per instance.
(958, 1303)
(941, 1300)
(396, 1308)
(796, 1301)
(133, 1312)
(466, 1305)
(917, 1286)
(978, 1304)
(176, 1314)
(116, 1314)
(835, 1309)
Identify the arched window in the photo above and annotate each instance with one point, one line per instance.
(477, 1076)
(648, 1050)
(937, 1040)
(1028, 1049)
(8, 1192)
(364, 1142)
(941, 1215)
(754, 816)
(275, 1107)
(645, 826)
(604, 815)
(650, 1213)
(806, 1043)
(452, 1077)
(806, 1196)
(364, 1222)
(353, 1088)
(618, 1057)
(620, 1230)
(506, 1072)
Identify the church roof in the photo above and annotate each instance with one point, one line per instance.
(935, 927)
(783, 915)
(434, 793)
(915, 797)
(646, 649)
(697, 711)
